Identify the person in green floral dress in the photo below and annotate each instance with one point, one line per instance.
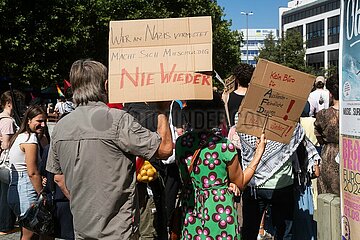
(208, 191)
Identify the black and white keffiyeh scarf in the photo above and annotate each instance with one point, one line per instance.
(275, 156)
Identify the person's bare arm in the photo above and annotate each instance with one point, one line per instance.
(242, 178)
(59, 179)
(165, 149)
(31, 151)
(5, 141)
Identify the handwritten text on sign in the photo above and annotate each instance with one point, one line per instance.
(151, 34)
(164, 61)
(160, 32)
(278, 92)
(139, 79)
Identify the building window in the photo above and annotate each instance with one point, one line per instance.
(312, 10)
(315, 60)
(315, 34)
(333, 29)
(333, 58)
(298, 29)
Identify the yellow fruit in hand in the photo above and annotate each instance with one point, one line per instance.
(143, 172)
(144, 178)
(150, 172)
(139, 177)
(146, 167)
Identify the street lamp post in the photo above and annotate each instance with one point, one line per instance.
(247, 14)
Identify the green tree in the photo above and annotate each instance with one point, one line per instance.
(292, 50)
(40, 39)
(270, 49)
(288, 51)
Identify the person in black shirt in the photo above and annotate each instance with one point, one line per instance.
(243, 73)
(153, 215)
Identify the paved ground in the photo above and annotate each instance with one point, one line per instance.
(13, 236)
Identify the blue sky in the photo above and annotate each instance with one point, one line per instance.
(266, 12)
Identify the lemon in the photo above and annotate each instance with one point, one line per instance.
(139, 177)
(150, 172)
(147, 166)
(144, 178)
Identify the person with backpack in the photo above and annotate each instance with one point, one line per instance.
(8, 128)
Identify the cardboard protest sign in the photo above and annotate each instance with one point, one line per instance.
(276, 92)
(229, 84)
(160, 59)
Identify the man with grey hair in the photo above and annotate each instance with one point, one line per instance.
(93, 153)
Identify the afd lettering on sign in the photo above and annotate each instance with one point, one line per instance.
(275, 101)
(139, 79)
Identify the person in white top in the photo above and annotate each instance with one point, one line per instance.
(319, 98)
(26, 181)
(59, 106)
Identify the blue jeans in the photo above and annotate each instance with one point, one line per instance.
(21, 192)
(7, 217)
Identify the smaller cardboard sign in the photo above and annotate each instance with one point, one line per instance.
(229, 84)
(276, 92)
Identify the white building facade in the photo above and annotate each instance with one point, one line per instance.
(254, 42)
(319, 23)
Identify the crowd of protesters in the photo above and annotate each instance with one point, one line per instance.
(88, 165)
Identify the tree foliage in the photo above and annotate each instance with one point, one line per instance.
(288, 51)
(40, 39)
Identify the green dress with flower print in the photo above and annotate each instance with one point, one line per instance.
(208, 206)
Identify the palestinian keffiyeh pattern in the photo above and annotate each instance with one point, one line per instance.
(275, 156)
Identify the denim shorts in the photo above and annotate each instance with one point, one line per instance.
(21, 192)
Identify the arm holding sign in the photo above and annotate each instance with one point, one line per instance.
(235, 171)
(166, 146)
(165, 149)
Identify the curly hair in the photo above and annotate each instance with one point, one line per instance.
(332, 84)
(243, 73)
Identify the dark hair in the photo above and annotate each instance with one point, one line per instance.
(205, 114)
(6, 97)
(332, 84)
(30, 113)
(306, 111)
(319, 85)
(68, 94)
(243, 73)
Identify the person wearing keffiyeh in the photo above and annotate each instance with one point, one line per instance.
(272, 184)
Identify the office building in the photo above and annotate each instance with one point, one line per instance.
(319, 23)
(254, 42)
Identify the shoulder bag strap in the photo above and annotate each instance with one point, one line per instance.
(197, 151)
(191, 167)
